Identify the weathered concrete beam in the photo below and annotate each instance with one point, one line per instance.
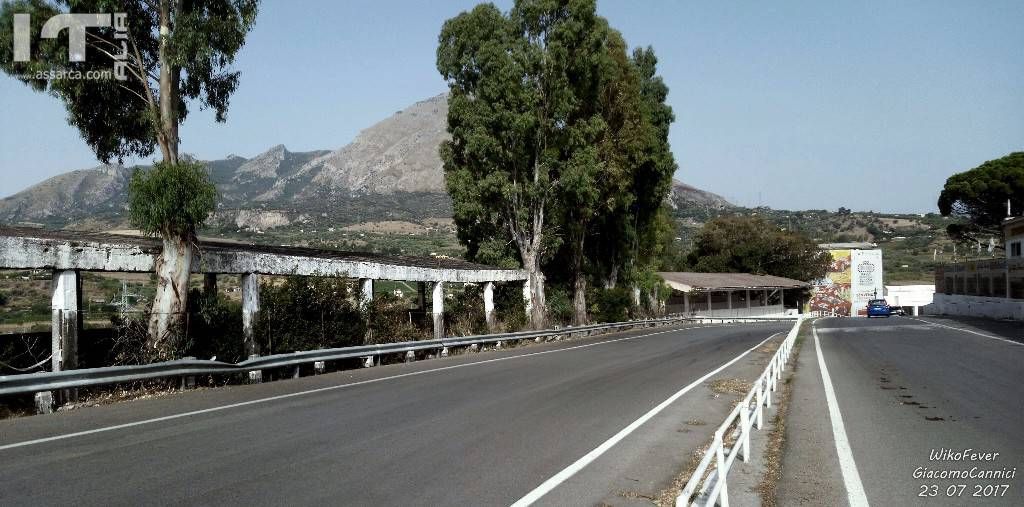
(21, 252)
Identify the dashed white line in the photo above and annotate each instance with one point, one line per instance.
(851, 478)
(588, 458)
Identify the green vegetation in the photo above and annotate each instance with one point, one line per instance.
(171, 200)
(979, 197)
(754, 245)
(557, 136)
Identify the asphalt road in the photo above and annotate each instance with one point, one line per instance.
(905, 387)
(477, 429)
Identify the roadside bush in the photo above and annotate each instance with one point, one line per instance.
(308, 313)
(509, 307)
(387, 317)
(464, 312)
(214, 328)
(610, 305)
(3, 299)
(560, 310)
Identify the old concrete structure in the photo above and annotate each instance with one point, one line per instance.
(67, 253)
(727, 294)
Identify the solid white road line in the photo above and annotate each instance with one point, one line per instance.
(329, 388)
(969, 331)
(851, 478)
(588, 458)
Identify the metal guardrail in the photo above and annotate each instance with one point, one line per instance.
(68, 379)
(712, 489)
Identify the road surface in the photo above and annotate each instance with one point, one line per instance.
(477, 429)
(903, 388)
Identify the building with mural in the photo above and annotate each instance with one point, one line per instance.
(853, 278)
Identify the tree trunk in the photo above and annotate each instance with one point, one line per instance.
(579, 292)
(538, 315)
(173, 267)
(612, 279)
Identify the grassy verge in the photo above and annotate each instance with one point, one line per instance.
(777, 435)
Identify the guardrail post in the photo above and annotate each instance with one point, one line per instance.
(723, 497)
(188, 381)
(745, 431)
(255, 376)
(760, 406)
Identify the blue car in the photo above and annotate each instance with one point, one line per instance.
(878, 308)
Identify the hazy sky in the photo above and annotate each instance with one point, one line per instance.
(868, 105)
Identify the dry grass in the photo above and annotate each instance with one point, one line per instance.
(735, 386)
(777, 436)
(667, 496)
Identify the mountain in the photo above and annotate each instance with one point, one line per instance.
(390, 171)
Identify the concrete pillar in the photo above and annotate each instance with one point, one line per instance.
(526, 296)
(421, 296)
(209, 284)
(65, 303)
(636, 296)
(686, 303)
(489, 305)
(250, 311)
(66, 322)
(708, 294)
(748, 299)
(765, 303)
(438, 310)
(728, 299)
(365, 291)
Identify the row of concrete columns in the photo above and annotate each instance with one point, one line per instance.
(707, 296)
(66, 304)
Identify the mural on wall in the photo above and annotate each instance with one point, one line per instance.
(866, 283)
(832, 294)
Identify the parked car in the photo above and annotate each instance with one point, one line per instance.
(878, 308)
(897, 310)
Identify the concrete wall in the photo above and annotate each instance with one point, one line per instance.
(976, 306)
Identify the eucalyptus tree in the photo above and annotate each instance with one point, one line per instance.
(145, 63)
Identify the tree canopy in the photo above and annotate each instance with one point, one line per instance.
(171, 200)
(190, 64)
(979, 196)
(556, 133)
(740, 244)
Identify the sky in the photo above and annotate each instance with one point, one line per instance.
(790, 104)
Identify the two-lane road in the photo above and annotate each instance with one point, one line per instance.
(905, 389)
(481, 429)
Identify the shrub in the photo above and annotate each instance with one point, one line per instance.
(560, 310)
(387, 317)
(610, 305)
(509, 307)
(308, 313)
(464, 312)
(214, 328)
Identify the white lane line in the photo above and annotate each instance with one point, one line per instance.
(969, 331)
(588, 458)
(328, 388)
(851, 478)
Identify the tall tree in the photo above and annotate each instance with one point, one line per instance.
(979, 196)
(740, 244)
(171, 54)
(517, 86)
